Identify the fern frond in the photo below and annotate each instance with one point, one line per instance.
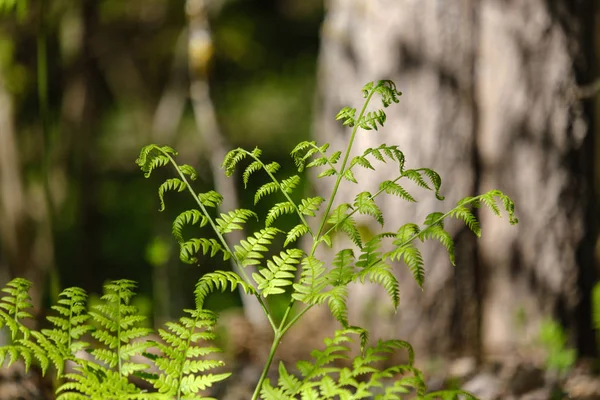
(466, 215)
(295, 233)
(310, 205)
(371, 119)
(406, 250)
(489, 199)
(188, 250)
(289, 184)
(327, 172)
(312, 281)
(179, 351)
(278, 210)
(153, 156)
(14, 306)
(362, 162)
(382, 274)
(119, 325)
(189, 171)
(173, 184)
(347, 114)
(391, 187)
(388, 91)
(218, 280)
(370, 254)
(435, 230)
(232, 159)
(364, 204)
(349, 176)
(230, 221)
(210, 199)
(250, 169)
(322, 378)
(342, 272)
(279, 273)
(248, 252)
(343, 221)
(191, 217)
(266, 189)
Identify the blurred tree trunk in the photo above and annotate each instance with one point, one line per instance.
(490, 101)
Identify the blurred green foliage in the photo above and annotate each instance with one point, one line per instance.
(109, 64)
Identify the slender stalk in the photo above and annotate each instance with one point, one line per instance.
(284, 326)
(343, 168)
(221, 238)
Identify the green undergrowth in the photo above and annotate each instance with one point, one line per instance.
(95, 350)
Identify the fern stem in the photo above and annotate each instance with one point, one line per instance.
(343, 168)
(263, 375)
(221, 238)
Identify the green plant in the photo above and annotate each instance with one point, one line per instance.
(559, 358)
(179, 370)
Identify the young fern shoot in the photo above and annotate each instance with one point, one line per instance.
(295, 273)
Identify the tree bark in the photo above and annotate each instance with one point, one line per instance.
(488, 103)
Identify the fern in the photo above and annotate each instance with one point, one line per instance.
(206, 246)
(343, 221)
(179, 351)
(248, 252)
(181, 361)
(230, 221)
(120, 325)
(219, 280)
(323, 378)
(278, 210)
(407, 251)
(279, 273)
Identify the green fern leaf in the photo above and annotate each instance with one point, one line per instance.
(152, 157)
(310, 205)
(179, 351)
(342, 221)
(170, 185)
(342, 272)
(391, 187)
(13, 308)
(435, 230)
(232, 158)
(289, 184)
(248, 252)
(463, 213)
(189, 171)
(278, 210)
(210, 199)
(408, 252)
(188, 249)
(295, 233)
(219, 280)
(364, 204)
(361, 161)
(264, 190)
(372, 119)
(349, 176)
(347, 114)
(312, 281)
(280, 272)
(382, 274)
(327, 172)
(230, 221)
(250, 169)
(272, 167)
(119, 326)
(191, 217)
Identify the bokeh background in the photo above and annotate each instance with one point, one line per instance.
(497, 94)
